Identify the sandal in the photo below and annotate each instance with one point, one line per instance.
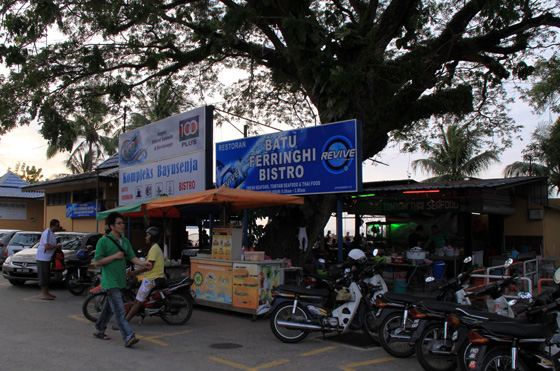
(133, 340)
(115, 327)
(101, 335)
(47, 298)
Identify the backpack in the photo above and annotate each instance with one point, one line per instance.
(57, 261)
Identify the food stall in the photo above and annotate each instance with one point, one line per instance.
(230, 278)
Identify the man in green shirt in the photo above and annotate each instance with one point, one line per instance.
(111, 254)
(438, 239)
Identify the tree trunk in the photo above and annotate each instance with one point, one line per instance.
(281, 233)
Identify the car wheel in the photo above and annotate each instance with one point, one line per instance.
(16, 282)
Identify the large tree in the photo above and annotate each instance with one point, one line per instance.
(388, 63)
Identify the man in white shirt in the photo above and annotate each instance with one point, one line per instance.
(45, 251)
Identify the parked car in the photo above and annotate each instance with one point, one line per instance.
(5, 237)
(21, 240)
(22, 266)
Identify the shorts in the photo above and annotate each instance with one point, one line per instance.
(144, 290)
(43, 272)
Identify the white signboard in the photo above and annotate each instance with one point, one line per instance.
(168, 157)
(13, 211)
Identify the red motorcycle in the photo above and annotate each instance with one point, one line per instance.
(170, 299)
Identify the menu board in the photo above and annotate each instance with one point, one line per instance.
(226, 243)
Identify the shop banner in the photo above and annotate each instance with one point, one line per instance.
(319, 159)
(175, 176)
(168, 157)
(170, 137)
(80, 210)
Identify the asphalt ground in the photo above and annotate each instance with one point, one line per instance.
(54, 335)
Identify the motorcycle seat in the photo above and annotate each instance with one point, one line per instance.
(304, 291)
(78, 263)
(494, 317)
(402, 298)
(520, 331)
(443, 306)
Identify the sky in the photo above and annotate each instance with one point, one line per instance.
(26, 145)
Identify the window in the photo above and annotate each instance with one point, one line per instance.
(59, 198)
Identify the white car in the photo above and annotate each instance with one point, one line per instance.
(21, 240)
(22, 266)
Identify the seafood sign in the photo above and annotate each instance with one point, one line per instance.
(319, 159)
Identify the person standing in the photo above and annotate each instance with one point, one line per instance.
(45, 251)
(438, 239)
(415, 237)
(155, 257)
(111, 254)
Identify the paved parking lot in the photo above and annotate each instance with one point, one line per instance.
(54, 335)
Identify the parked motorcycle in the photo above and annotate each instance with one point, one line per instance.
(80, 275)
(172, 300)
(394, 325)
(532, 343)
(338, 307)
(433, 337)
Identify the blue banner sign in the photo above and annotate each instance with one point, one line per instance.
(80, 210)
(318, 159)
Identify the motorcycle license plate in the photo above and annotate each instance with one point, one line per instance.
(23, 270)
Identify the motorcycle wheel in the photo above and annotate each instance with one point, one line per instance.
(283, 312)
(464, 350)
(179, 309)
(72, 283)
(93, 305)
(368, 327)
(499, 359)
(432, 337)
(400, 348)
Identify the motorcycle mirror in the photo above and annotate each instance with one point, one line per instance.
(375, 252)
(524, 295)
(430, 279)
(508, 263)
(468, 259)
(557, 276)
(511, 303)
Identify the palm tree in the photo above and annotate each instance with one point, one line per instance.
(93, 140)
(456, 157)
(541, 157)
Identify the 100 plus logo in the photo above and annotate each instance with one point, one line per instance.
(338, 154)
(189, 128)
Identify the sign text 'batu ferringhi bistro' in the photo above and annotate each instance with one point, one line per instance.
(172, 157)
(318, 159)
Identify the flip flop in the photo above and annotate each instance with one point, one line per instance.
(133, 340)
(47, 298)
(115, 327)
(52, 296)
(101, 335)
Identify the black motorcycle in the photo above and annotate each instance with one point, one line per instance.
(80, 275)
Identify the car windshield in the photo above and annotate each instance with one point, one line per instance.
(69, 242)
(25, 239)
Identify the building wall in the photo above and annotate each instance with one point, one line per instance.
(34, 221)
(519, 224)
(82, 224)
(552, 223)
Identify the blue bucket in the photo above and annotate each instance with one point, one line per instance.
(437, 268)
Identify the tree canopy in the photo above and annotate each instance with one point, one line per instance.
(388, 63)
(28, 173)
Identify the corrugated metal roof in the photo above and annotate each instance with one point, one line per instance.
(11, 187)
(111, 162)
(473, 183)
